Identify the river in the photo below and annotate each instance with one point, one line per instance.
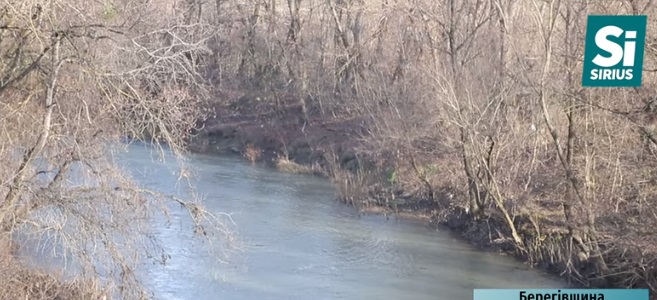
(296, 242)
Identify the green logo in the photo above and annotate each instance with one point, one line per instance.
(613, 53)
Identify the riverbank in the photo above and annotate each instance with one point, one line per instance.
(331, 147)
(18, 281)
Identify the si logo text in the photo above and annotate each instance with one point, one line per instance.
(613, 54)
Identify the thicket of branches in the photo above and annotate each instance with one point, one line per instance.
(473, 103)
(75, 78)
(480, 100)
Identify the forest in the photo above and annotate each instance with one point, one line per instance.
(471, 112)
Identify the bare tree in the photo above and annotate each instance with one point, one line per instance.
(81, 77)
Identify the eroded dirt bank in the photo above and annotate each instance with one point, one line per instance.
(330, 148)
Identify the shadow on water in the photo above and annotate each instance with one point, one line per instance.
(298, 243)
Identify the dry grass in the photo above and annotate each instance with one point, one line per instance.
(284, 164)
(252, 153)
(20, 282)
